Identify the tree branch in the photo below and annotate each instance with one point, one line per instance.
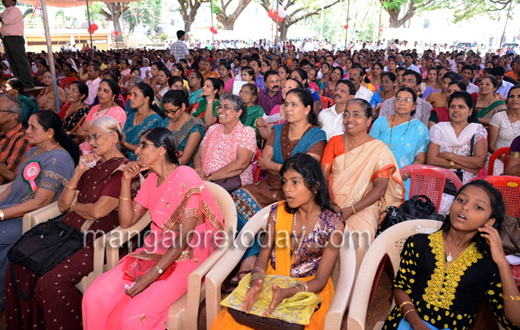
(293, 20)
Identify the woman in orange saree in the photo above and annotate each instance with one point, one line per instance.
(362, 173)
(305, 233)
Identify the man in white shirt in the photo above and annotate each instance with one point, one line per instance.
(412, 80)
(93, 83)
(467, 74)
(503, 86)
(357, 74)
(146, 69)
(331, 119)
(408, 63)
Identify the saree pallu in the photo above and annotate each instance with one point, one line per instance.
(252, 198)
(181, 136)
(46, 101)
(201, 108)
(133, 132)
(351, 178)
(195, 96)
(73, 121)
(489, 111)
(252, 115)
(56, 290)
(282, 253)
(182, 195)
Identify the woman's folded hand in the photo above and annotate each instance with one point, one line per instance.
(252, 295)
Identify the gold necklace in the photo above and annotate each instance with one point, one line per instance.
(161, 180)
(39, 152)
(293, 137)
(303, 226)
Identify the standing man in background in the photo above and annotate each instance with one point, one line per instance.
(14, 43)
(179, 48)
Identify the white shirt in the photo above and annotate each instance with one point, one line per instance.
(504, 89)
(364, 93)
(414, 68)
(332, 122)
(143, 71)
(93, 86)
(472, 88)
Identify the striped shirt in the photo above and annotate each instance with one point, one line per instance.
(267, 102)
(13, 147)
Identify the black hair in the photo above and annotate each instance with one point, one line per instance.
(268, 63)
(390, 76)
(180, 33)
(309, 168)
(136, 69)
(163, 137)
(361, 69)
(468, 67)
(216, 85)
(167, 72)
(411, 91)
(453, 76)
(508, 94)
(49, 119)
(269, 73)
(173, 79)
(498, 71)
(249, 70)
(340, 70)
(303, 75)
(176, 98)
(82, 88)
(306, 98)
(159, 65)
(417, 75)
(468, 99)
(69, 66)
(17, 84)
(114, 74)
(498, 211)
(114, 87)
(367, 108)
(494, 80)
(253, 90)
(304, 62)
(300, 85)
(285, 68)
(462, 85)
(147, 91)
(179, 67)
(351, 88)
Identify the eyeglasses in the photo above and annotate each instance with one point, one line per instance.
(143, 145)
(96, 136)
(171, 112)
(226, 108)
(244, 92)
(406, 100)
(354, 114)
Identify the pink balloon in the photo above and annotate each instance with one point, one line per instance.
(271, 13)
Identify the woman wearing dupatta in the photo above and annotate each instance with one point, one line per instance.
(74, 112)
(138, 292)
(362, 173)
(299, 134)
(309, 215)
(195, 79)
(91, 199)
(249, 93)
(52, 158)
(488, 101)
(141, 98)
(187, 130)
(210, 100)
(406, 138)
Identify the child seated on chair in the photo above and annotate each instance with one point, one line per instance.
(443, 276)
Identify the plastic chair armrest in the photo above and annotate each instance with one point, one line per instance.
(119, 236)
(40, 215)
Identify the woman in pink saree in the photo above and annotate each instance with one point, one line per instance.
(139, 291)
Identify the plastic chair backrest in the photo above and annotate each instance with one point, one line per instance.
(494, 156)
(390, 243)
(65, 82)
(326, 102)
(509, 187)
(255, 164)
(429, 181)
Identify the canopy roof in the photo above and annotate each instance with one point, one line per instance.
(71, 3)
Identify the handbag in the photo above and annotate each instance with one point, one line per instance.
(291, 314)
(510, 233)
(42, 248)
(230, 184)
(417, 207)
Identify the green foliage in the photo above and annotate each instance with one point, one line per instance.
(164, 37)
(472, 9)
(143, 12)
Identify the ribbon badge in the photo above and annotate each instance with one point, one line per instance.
(31, 171)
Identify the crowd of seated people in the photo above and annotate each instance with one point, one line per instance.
(253, 122)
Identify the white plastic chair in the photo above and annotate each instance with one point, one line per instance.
(344, 269)
(183, 313)
(4, 187)
(390, 243)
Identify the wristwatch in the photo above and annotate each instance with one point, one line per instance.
(159, 270)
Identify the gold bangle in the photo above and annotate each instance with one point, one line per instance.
(451, 155)
(2, 215)
(198, 169)
(501, 295)
(72, 205)
(125, 199)
(353, 209)
(405, 303)
(411, 310)
(452, 165)
(71, 187)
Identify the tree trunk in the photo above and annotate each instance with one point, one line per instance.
(227, 22)
(283, 28)
(394, 18)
